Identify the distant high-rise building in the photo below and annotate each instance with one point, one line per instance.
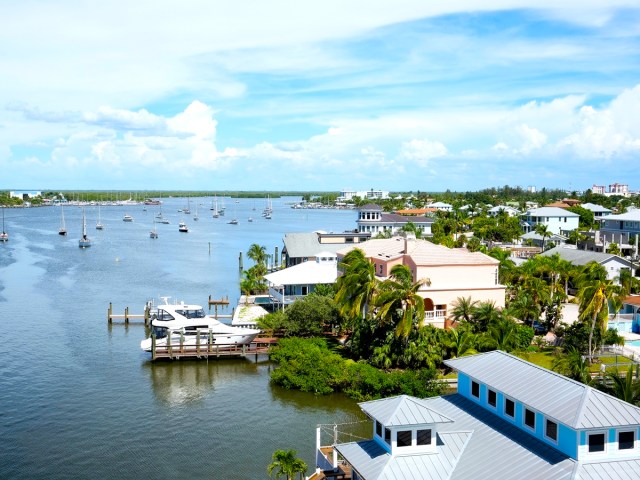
(619, 189)
(599, 189)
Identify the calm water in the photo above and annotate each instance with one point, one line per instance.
(78, 399)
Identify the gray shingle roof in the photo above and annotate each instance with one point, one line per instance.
(401, 410)
(572, 403)
(300, 245)
(581, 257)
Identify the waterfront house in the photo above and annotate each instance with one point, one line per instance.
(509, 419)
(305, 247)
(452, 272)
(557, 220)
(289, 284)
(372, 219)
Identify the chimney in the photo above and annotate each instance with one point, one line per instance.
(409, 242)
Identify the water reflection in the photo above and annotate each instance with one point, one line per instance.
(179, 383)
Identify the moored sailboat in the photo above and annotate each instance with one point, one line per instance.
(84, 242)
(63, 229)
(4, 236)
(99, 225)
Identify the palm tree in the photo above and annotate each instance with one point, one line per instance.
(625, 388)
(258, 254)
(542, 230)
(506, 263)
(502, 335)
(286, 464)
(485, 315)
(573, 365)
(594, 295)
(399, 295)
(524, 307)
(460, 342)
(463, 308)
(356, 286)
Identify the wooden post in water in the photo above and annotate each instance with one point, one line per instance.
(240, 267)
(147, 314)
(153, 346)
(110, 312)
(275, 258)
(126, 314)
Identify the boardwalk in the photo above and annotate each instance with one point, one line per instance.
(260, 346)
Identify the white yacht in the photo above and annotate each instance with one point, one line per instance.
(188, 322)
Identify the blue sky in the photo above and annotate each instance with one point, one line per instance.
(280, 95)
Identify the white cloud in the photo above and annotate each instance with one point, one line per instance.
(421, 151)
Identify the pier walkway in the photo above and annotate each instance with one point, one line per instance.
(260, 346)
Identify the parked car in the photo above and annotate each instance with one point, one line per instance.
(538, 328)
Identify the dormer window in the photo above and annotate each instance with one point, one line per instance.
(530, 418)
(379, 429)
(475, 389)
(424, 437)
(551, 430)
(626, 440)
(387, 436)
(403, 438)
(509, 408)
(596, 442)
(491, 397)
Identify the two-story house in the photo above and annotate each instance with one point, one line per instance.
(510, 419)
(372, 219)
(557, 220)
(451, 272)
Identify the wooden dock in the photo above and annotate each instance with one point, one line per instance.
(127, 317)
(260, 346)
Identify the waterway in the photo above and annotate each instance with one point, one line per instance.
(79, 399)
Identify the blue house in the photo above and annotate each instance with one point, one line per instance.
(510, 419)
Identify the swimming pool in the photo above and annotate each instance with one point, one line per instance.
(632, 343)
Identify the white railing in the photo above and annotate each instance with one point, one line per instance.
(431, 314)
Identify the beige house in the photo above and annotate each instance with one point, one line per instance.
(453, 272)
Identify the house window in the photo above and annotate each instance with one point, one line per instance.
(596, 442)
(387, 436)
(403, 438)
(424, 437)
(626, 440)
(491, 397)
(475, 389)
(551, 430)
(378, 429)
(509, 407)
(530, 418)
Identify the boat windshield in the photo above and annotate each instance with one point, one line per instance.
(198, 313)
(164, 316)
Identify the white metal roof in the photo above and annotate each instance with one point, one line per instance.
(550, 212)
(477, 445)
(311, 272)
(569, 402)
(402, 410)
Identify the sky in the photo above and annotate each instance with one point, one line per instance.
(402, 95)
